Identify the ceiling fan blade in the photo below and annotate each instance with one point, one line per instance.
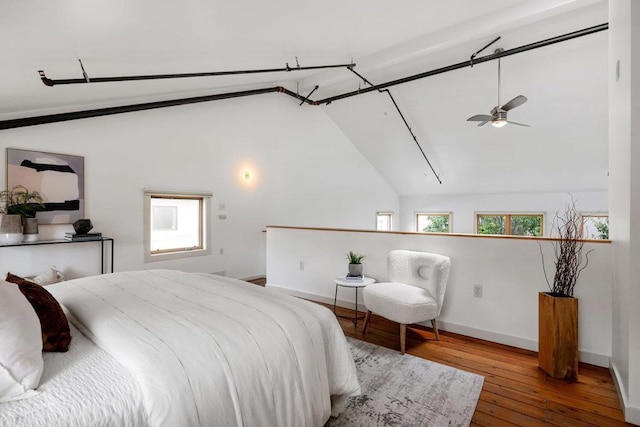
(483, 123)
(519, 124)
(479, 118)
(515, 102)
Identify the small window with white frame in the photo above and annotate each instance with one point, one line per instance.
(176, 224)
(595, 226)
(384, 221)
(433, 222)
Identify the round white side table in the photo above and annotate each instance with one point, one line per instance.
(354, 284)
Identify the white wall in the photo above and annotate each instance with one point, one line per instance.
(304, 169)
(464, 207)
(509, 269)
(624, 203)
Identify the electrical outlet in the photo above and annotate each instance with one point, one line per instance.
(301, 265)
(477, 291)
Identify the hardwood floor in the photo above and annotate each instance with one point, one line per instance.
(515, 390)
(260, 280)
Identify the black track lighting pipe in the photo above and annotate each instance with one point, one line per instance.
(296, 95)
(413, 135)
(362, 77)
(51, 82)
(310, 93)
(30, 121)
(525, 48)
(51, 118)
(74, 115)
(473, 57)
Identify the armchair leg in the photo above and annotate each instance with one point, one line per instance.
(435, 329)
(403, 337)
(366, 321)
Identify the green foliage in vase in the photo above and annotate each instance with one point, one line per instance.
(20, 201)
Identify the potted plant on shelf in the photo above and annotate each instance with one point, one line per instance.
(21, 202)
(355, 263)
(558, 308)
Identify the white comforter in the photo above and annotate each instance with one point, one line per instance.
(208, 350)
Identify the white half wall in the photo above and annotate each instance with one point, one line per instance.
(464, 207)
(304, 170)
(509, 269)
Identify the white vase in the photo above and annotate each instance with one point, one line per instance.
(10, 229)
(30, 229)
(10, 238)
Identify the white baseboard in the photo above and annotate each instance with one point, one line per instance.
(631, 413)
(511, 340)
(515, 341)
(596, 359)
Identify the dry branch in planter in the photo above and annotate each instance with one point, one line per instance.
(570, 256)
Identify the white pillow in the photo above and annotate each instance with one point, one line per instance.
(52, 275)
(21, 361)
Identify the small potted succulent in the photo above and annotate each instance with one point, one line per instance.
(355, 263)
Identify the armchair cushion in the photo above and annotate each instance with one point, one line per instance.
(400, 302)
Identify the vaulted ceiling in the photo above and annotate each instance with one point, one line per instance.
(564, 150)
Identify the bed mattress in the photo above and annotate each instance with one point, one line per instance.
(82, 387)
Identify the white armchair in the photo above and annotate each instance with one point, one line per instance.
(414, 293)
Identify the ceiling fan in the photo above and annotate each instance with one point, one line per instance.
(498, 117)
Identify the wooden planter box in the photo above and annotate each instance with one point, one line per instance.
(558, 335)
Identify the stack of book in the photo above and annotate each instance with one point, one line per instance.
(350, 278)
(75, 237)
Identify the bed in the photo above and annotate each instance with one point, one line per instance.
(168, 348)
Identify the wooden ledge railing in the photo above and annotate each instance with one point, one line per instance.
(479, 236)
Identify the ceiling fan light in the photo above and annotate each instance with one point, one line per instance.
(498, 123)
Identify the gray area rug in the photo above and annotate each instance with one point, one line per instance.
(405, 390)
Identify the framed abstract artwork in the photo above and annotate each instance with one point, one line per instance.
(59, 178)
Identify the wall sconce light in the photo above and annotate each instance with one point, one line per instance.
(247, 175)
